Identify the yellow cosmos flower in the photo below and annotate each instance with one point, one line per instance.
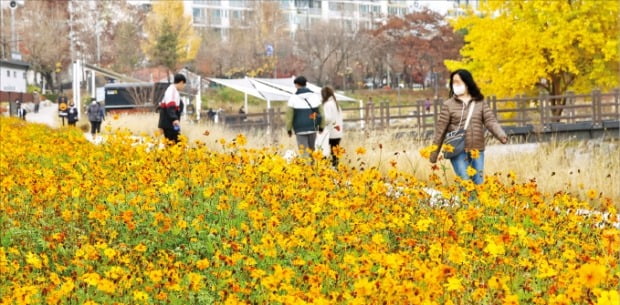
(203, 264)
(447, 148)
(471, 171)
(454, 284)
(110, 253)
(494, 249)
(511, 300)
(611, 297)
(140, 248)
(241, 140)
(590, 275)
(360, 150)
(140, 296)
(474, 154)
(33, 260)
(559, 299)
(426, 151)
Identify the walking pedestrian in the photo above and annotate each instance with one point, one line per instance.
(21, 111)
(304, 115)
(36, 98)
(466, 110)
(333, 121)
(72, 114)
(170, 109)
(96, 115)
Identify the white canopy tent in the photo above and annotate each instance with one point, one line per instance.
(269, 89)
(286, 84)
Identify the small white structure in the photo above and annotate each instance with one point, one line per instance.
(13, 75)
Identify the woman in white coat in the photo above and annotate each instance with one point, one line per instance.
(333, 120)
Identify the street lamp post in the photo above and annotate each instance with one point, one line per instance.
(13, 6)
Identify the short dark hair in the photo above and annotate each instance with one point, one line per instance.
(468, 79)
(300, 80)
(179, 78)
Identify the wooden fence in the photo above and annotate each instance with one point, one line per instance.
(520, 115)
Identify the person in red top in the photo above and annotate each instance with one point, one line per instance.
(170, 109)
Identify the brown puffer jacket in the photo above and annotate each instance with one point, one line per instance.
(482, 117)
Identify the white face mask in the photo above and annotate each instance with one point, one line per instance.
(459, 89)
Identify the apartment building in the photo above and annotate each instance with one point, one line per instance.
(222, 15)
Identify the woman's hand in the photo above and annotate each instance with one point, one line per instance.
(504, 140)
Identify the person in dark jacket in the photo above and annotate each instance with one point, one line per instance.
(304, 115)
(96, 114)
(72, 114)
(170, 109)
(21, 111)
(464, 93)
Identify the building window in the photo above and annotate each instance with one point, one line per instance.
(285, 4)
(336, 6)
(15, 74)
(239, 3)
(8, 73)
(215, 17)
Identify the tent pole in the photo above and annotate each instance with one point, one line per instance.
(199, 98)
(245, 102)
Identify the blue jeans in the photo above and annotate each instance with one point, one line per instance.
(462, 160)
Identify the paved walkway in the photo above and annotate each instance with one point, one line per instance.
(48, 114)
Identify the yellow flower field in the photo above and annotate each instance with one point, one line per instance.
(122, 223)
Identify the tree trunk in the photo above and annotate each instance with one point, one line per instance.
(49, 80)
(556, 98)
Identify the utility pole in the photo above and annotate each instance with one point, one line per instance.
(13, 6)
(71, 34)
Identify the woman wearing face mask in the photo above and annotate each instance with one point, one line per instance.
(454, 112)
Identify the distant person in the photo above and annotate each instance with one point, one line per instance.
(96, 115)
(333, 121)
(427, 105)
(211, 114)
(464, 93)
(21, 110)
(304, 115)
(242, 114)
(36, 99)
(170, 109)
(72, 114)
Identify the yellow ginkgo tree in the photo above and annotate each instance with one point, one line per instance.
(515, 47)
(171, 40)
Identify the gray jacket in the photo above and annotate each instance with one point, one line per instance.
(95, 113)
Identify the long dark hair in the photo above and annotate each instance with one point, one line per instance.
(328, 92)
(468, 79)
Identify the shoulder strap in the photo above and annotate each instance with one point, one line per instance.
(308, 103)
(471, 110)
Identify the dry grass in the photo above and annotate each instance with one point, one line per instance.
(556, 166)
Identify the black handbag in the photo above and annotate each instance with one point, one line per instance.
(456, 138)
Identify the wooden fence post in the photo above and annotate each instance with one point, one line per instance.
(419, 117)
(541, 108)
(617, 102)
(387, 115)
(570, 102)
(595, 103)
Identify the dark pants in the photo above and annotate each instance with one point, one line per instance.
(171, 135)
(36, 107)
(95, 127)
(333, 143)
